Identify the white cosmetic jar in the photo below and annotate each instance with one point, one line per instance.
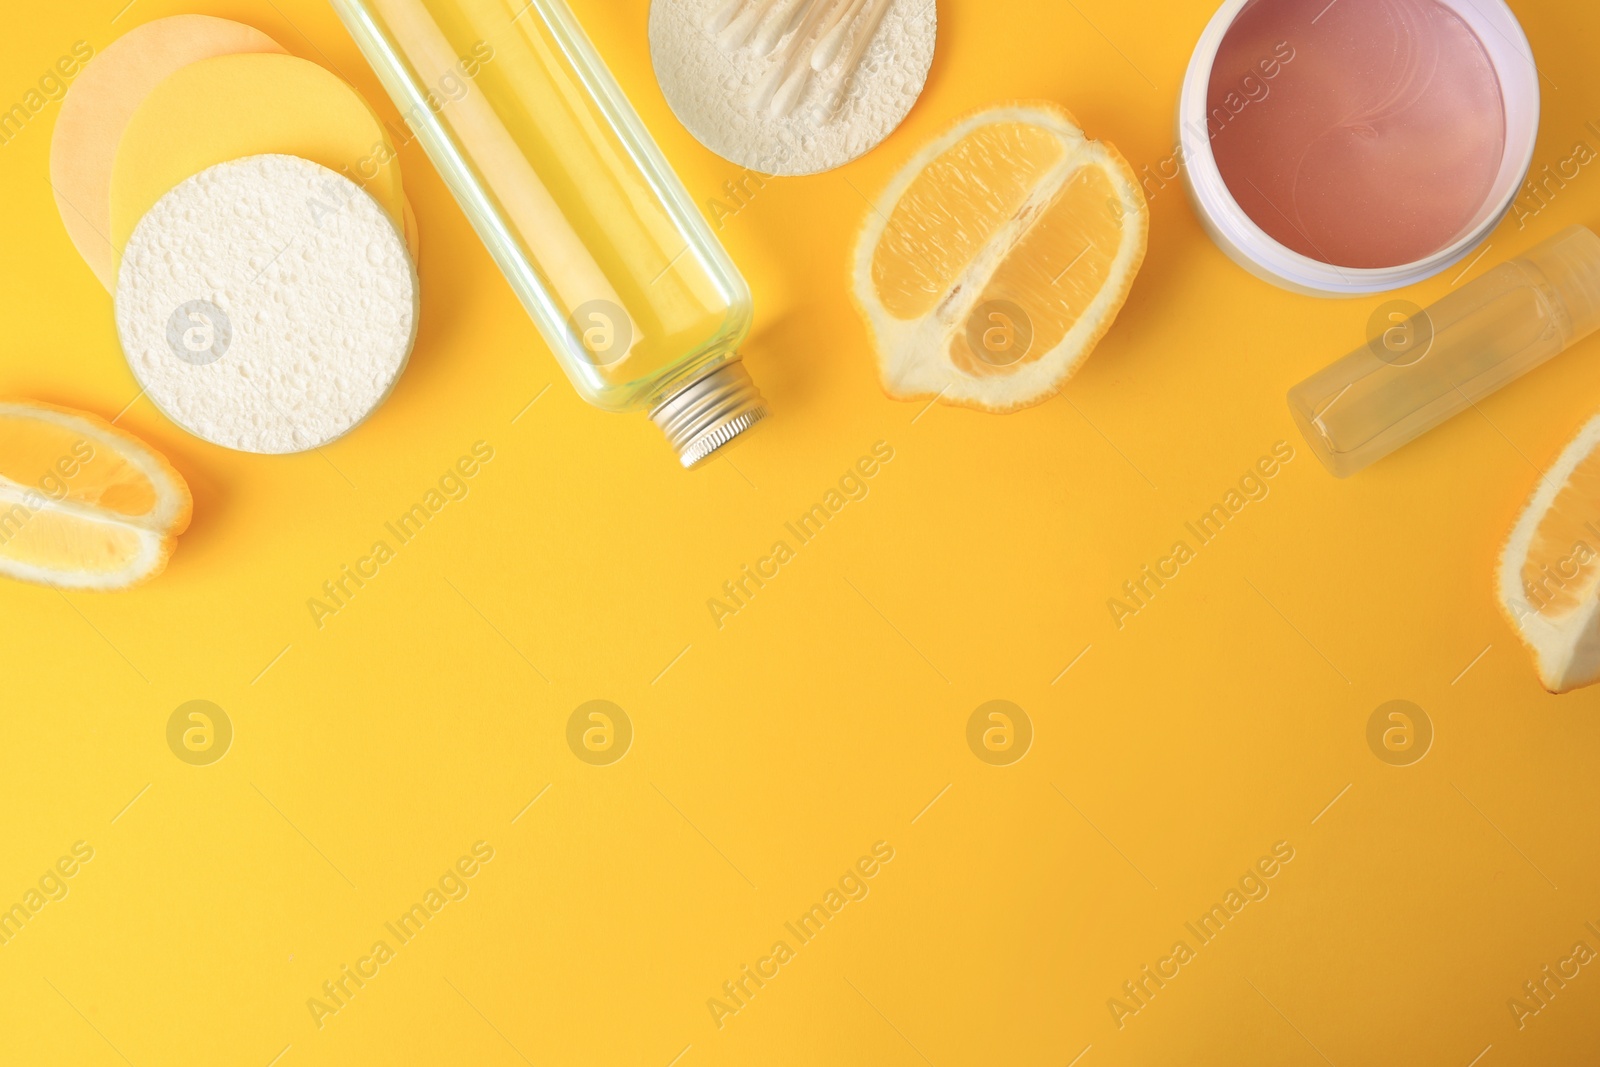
(1250, 246)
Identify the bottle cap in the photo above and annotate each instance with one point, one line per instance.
(1571, 262)
(709, 412)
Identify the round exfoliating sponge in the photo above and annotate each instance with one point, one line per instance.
(267, 304)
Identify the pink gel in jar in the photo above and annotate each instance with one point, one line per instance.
(1359, 133)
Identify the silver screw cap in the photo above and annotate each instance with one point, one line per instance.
(709, 412)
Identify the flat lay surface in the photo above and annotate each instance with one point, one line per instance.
(947, 779)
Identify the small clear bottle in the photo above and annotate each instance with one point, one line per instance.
(1434, 363)
(584, 216)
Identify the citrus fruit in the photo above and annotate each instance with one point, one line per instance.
(998, 258)
(1550, 568)
(83, 505)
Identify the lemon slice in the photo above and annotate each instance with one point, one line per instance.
(1550, 568)
(998, 258)
(83, 505)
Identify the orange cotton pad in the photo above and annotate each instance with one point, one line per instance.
(104, 97)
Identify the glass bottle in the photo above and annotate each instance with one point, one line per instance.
(597, 236)
(1427, 366)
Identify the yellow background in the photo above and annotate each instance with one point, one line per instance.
(770, 754)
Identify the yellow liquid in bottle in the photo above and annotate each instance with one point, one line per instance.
(634, 284)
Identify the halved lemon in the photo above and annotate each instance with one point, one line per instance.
(83, 505)
(999, 257)
(1550, 568)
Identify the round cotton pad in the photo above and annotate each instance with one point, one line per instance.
(267, 304)
(878, 54)
(97, 108)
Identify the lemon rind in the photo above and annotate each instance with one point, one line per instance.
(174, 503)
(1565, 647)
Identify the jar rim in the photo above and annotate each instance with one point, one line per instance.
(1253, 248)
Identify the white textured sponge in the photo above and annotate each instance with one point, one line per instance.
(267, 304)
